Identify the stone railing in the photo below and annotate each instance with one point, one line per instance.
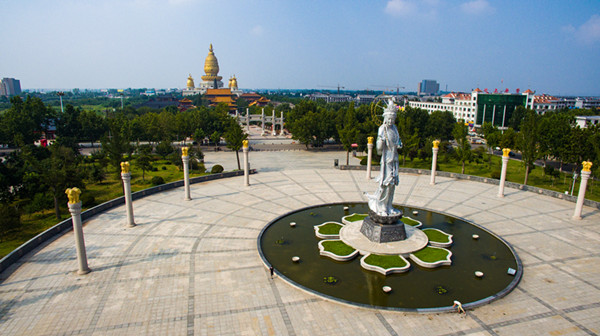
(66, 225)
(488, 180)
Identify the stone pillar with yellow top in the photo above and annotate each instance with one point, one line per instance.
(186, 172)
(435, 149)
(246, 163)
(273, 121)
(126, 176)
(75, 210)
(585, 175)
(369, 156)
(505, 157)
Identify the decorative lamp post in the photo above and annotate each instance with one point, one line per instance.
(369, 156)
(585, 175)
(435, 150)
(575, 176)
(75, 210)
(126, 176)
(246, 163)
(186, 172)
(60, 94)
(505, 153)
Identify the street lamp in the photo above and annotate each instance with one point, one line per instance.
(575, 176)
(60, 94)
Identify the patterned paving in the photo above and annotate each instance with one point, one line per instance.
(193, 268)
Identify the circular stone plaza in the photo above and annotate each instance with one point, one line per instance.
(193, 267)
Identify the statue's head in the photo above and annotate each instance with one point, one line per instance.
(389, 114)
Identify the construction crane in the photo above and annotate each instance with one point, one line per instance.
(333, 87)
(391, 87)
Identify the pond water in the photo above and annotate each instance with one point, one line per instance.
(419, 288)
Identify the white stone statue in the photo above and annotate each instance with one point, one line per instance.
(388, 141)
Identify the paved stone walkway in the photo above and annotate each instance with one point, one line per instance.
(193, 267)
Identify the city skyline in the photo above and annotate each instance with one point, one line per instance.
(547, 46)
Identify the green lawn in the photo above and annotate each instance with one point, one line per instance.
(330, 229)
(431, 254)
(385, 261)
(356, 217)
(337, 247)
(409, 221)
(436, 236)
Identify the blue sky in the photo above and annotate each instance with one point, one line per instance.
(548, 46)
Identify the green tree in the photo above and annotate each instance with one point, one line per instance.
(69, 128)
(409, 136)
(528, 140)
(215, 137)
(440, 125)
(115, 146)
(348, 131)
(93, 126)
(508, 138)
(517, 118)
(555, 129)
(492, 135)
(143, 160)
(234, 137)
(463, 148)
(199, 136)
(25, 121)
(61, 172)
(164, 148)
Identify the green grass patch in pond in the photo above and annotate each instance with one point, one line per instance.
(431, 254)
(385, 261)
(441, 290)
(409, 221)
(337, 247)
(356, 217)
(330, 280)
(330, 229)
(436, 236)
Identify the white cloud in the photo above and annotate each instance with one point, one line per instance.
(257, 30)
(477, 7)
(587, 33)
(400, 7)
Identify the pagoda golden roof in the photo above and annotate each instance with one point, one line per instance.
(190, 82)
(211, 66)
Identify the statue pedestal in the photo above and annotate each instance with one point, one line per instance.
(383, 229)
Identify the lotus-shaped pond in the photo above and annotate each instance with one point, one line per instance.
(441, 270)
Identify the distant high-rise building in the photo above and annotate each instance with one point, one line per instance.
(429, 87)
(10, 87)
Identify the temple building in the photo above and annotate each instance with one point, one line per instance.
(216, 96)
(211, 79)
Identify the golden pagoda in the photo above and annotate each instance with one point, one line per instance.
(190, 82)
(211, 68)
(233, 85)
(211, 79)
